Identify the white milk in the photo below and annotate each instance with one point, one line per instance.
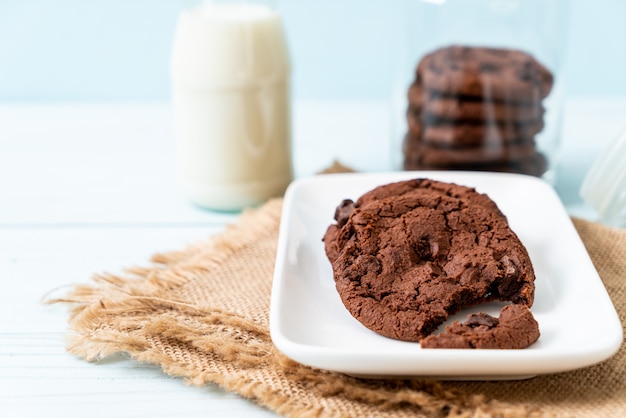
(230, 78)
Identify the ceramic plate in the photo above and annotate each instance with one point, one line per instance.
(308, 322)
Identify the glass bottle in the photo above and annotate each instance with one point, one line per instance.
(230, 76)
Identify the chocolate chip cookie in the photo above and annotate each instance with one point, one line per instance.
(535, 165)
(504, 75)
(428, 155)
(406, 255)
(463, 134)
(433, 106)
(516, 328)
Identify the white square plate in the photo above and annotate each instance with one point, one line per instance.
(308, 322)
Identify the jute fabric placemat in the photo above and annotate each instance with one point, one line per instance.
(201, 313)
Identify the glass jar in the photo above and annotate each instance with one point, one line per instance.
(481, 86)
(604, 185)
(230, 75)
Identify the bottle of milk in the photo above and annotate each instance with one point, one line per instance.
(231, 94)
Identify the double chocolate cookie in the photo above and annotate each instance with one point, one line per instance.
(489, 153)
(476, 108)
(433, 105)
(504, 75)
(458, 134)
(515, 328)
(534, 165)
(407, 255)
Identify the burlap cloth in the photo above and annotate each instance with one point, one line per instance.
(202, 314)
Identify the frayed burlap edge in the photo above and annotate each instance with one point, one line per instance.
(144, 314)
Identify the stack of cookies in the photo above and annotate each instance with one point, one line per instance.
(474, 108)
